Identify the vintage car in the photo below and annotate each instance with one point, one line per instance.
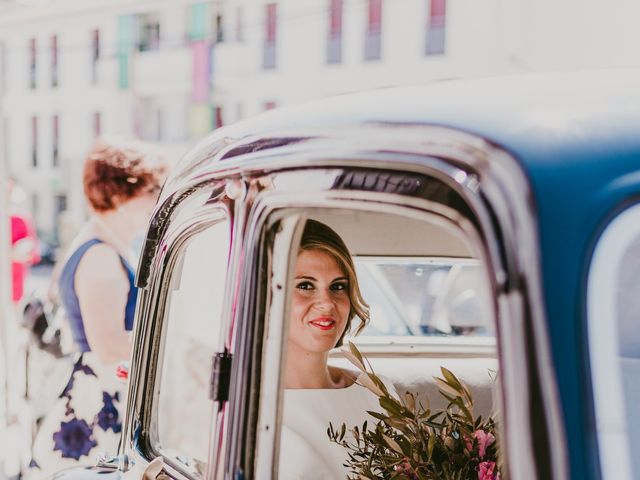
(495, 226)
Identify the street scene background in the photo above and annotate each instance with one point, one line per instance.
(171, 71)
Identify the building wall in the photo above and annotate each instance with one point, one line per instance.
(207, 67)
(154, 104)
(74, 100)
(483, 37)
(302, 71)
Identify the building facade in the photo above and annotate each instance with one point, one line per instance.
(170, 71)
(280, 53)
(74, 70)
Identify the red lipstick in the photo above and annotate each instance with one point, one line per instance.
(323, 323)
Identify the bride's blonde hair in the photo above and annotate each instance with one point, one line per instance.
(318, 236)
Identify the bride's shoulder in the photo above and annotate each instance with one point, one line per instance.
(343, 377)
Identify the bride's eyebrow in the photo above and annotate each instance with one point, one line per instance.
(309, 277)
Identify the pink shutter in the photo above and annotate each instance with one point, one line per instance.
(375, 15)
(200, 87)
(438, 13)
(271, 22)
(335, 20)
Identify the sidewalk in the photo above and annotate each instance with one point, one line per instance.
(14, 442)
(15, 436)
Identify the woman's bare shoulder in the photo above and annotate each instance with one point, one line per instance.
(343, 377)
(101, 261)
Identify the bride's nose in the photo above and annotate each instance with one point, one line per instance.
(323, 299)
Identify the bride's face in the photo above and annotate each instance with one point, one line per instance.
(320, 306)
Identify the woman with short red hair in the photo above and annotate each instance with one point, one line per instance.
(122, 180)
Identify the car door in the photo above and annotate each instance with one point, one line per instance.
(433, 194)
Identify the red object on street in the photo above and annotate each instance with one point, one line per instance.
(22, 231)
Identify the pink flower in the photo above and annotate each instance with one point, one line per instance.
(406, 469)
(487, 471)
(468, 442)
(484, 439)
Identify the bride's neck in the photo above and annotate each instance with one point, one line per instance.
(307, 369)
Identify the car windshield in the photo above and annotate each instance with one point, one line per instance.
(424, 296)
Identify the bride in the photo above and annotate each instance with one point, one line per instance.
(326, 305)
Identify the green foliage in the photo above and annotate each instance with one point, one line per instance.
(411, 441)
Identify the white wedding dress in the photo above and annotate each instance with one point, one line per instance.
(305, 450)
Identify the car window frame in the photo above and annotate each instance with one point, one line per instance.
(274, 205)
(606, 383)
(205, 218)
(495, 186)
(215, 215)
(202, 209)
(296, 216)
(527, 357)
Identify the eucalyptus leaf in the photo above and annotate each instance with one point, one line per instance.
(354, 350)
(390, 406)
(354, 360)
(451, 379)
(393, 444)
(377, 415)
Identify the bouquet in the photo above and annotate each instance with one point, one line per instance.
(410, 441)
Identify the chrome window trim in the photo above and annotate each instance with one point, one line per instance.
(294, 212)
(139, 426)
(523, 462)
(507, 190)
(244, 249)
(177, 241)
(608, 398)
(268, 427)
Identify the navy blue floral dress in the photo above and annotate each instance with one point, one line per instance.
(76, 438)
(86, 420)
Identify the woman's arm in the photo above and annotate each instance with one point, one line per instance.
(102, 287)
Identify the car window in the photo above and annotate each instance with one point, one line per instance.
(191, 337)
(614, 342)
(412, 300)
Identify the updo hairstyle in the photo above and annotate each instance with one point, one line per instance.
(117, 170)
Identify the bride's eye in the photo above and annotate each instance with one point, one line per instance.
(304, 286)
(339, 286)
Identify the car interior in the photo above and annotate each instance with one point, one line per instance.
(431, 267)
(431, 307)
